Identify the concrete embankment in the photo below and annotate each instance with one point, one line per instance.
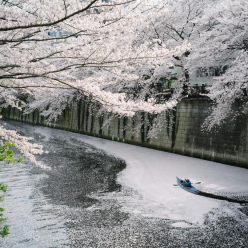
(182, 134)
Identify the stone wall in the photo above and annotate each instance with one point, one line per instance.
(183, 135)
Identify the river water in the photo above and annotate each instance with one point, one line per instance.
(77, 204)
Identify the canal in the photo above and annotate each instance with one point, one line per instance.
(106, 194)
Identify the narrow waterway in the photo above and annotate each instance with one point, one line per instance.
(81, 203)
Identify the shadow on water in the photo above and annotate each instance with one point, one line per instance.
(210, 195)
(78, 171)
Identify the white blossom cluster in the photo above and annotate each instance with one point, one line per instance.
(23, 144)
(44, 44)
(99, 37)
(217, 34)
(223, 41)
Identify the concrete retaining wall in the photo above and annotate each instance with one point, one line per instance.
(183, 135)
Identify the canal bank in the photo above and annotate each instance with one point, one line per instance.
(181, 132)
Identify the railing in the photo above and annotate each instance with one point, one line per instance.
(190, 91)
(195, 90)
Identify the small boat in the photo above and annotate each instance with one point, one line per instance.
(190, 189)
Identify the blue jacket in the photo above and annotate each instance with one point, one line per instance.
(187, 184)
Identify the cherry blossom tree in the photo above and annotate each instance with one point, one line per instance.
(69, 49)
(66, 48)
(223, 42)
(174, 27)
(217, 34)
(93, 34)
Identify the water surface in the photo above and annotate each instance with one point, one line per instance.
(79, 204)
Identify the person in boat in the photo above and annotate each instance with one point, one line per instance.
(186, 182)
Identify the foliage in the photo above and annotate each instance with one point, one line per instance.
(5, 230)
(6, 154)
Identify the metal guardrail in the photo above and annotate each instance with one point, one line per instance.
(188, 90)
(195, 90)
(191, 91)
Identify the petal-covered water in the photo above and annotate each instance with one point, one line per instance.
(79, 203)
